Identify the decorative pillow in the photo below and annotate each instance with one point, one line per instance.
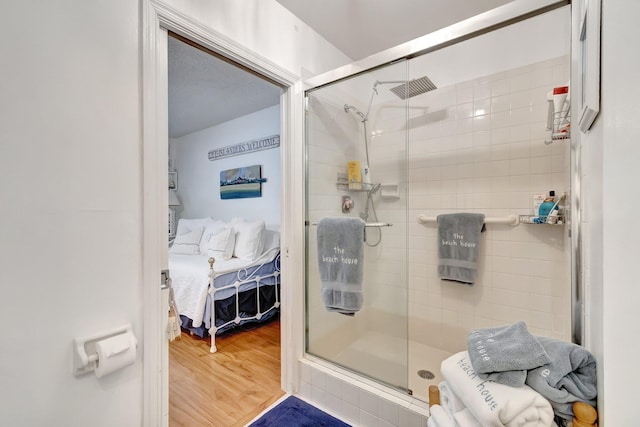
(219, 243)
(195, 222)
(187, 239)
(210, 227)
(249, 239)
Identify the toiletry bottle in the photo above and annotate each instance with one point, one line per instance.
(538, 199)
(546, 206)
(354, 174)
(559, 98)
(366, 178)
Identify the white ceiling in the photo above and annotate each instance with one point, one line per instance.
(360, 28)
(205, 91)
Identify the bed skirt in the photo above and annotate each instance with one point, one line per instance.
(225, 310)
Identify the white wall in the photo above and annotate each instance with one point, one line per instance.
(71, 218)
(269, 29)
(610, 172)
(199, 178)
(71, 214)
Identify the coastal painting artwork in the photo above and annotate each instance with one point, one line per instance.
(241, 183)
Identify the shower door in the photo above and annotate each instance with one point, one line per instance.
(363, 119)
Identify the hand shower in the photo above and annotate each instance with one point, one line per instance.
(348, 108)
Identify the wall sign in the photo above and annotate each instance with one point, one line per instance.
(272, 141)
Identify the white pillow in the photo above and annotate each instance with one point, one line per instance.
(194, 222)
(210, 227)
(219, 243)
(249, 239)
(187, 239)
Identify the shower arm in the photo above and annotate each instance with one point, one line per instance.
(374, 92)
(365, 119)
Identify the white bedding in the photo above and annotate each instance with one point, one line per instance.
(190, 277)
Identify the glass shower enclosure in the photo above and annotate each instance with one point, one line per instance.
(361, 119)
(462, 128)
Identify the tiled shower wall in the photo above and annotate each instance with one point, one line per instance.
(480, 147)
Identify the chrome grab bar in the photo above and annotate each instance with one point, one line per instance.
(370, 224)
(509, 220)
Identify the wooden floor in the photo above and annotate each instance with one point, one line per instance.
(228, 388)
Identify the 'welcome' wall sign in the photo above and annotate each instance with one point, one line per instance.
(272, 141)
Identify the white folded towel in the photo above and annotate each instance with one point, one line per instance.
(465, 418)
(493, 404)
(448, 399)
(439, 417)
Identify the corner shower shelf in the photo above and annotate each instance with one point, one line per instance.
(529, 219)
(364, 186)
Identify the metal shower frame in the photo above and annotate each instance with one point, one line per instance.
(497, 18)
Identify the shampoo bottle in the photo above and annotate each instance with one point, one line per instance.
(354, 175)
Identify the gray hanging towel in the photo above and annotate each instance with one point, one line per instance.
(340, 263)
(458, 246)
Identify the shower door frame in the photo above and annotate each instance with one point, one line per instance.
(483, 23)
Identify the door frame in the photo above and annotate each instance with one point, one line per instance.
(157, 20)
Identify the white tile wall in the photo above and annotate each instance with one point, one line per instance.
(486, 154)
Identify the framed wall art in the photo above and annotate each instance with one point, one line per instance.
(241, 183)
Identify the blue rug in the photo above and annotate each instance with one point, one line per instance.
(293, 412)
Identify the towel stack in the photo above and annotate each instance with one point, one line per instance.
(470, 401)
(509, 377)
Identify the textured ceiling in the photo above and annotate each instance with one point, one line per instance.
(205, 91)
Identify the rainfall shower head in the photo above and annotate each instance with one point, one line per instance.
(414, 87)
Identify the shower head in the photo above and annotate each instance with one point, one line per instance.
(348, 108)
(414, 87)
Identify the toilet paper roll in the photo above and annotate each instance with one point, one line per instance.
(115, 353)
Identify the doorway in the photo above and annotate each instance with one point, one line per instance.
(220, 115)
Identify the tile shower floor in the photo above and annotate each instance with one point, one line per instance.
(384, 357)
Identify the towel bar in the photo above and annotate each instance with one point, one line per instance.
(368, 224)
(512, 220)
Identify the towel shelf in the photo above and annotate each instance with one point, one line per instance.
(369, 224)
(512, 220)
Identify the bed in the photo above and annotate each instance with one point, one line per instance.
(224, 274)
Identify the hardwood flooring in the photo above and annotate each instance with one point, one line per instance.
(230, 387)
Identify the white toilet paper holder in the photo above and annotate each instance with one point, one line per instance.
(85, 356)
